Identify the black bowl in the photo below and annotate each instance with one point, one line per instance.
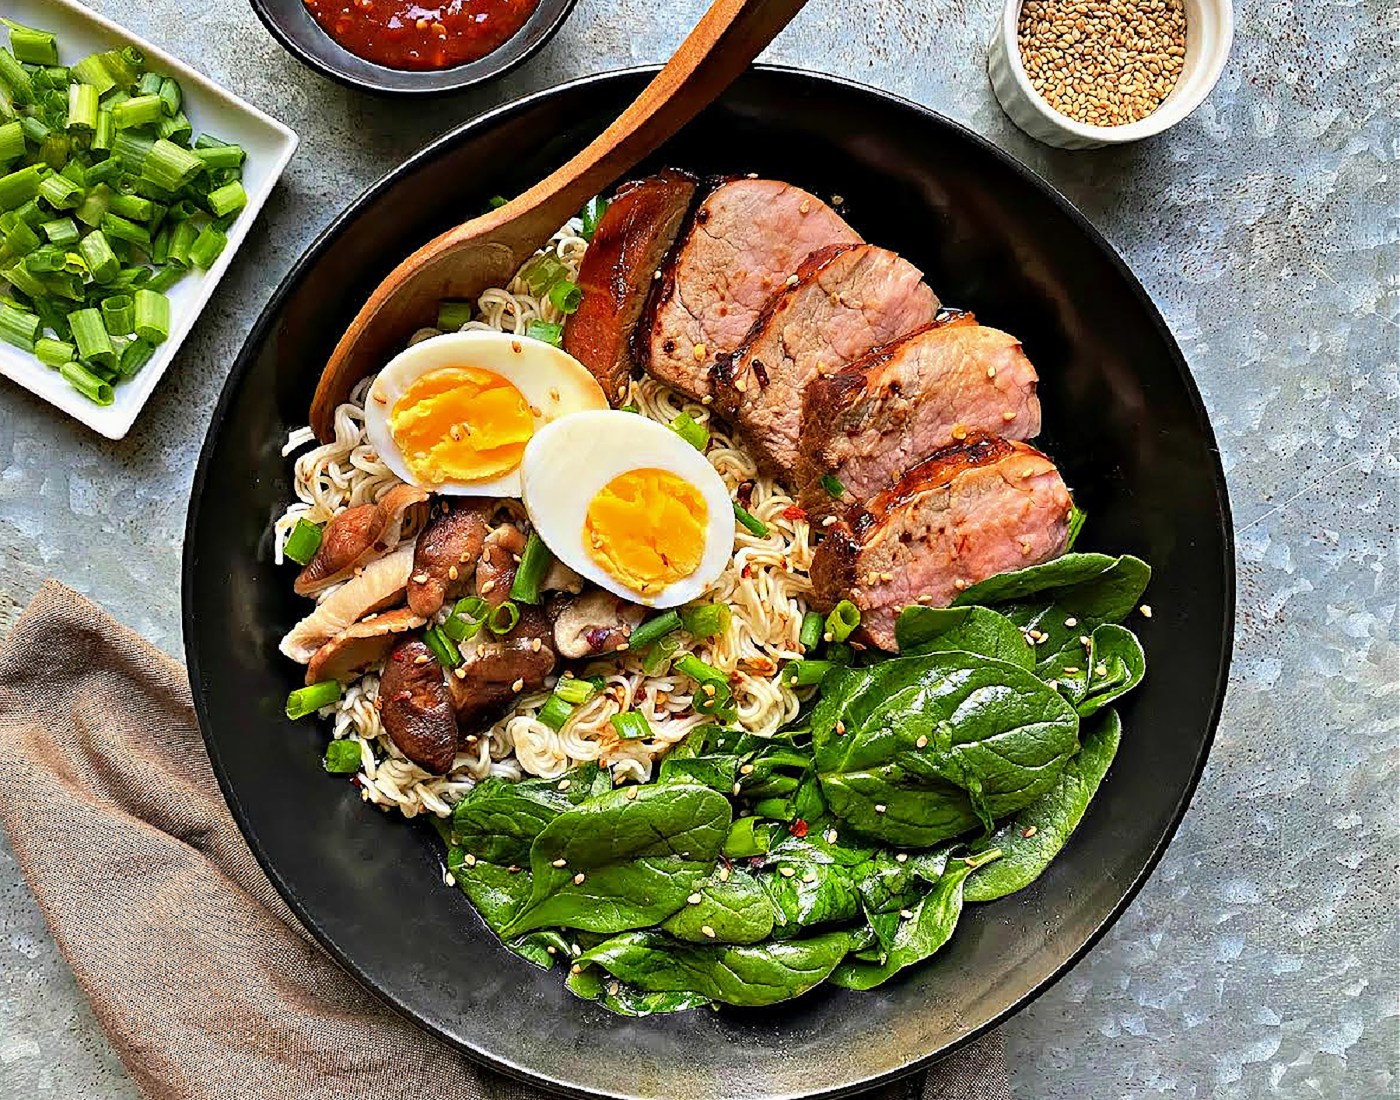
(1124, 421)
(294, 27)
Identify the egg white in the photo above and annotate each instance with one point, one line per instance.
(552, 381)
(566, 464)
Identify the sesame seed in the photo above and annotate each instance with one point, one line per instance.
(810, 876)
(460, 673)
(707, 930)
(422, 659)
(698, 352)
(550, 949)
(901, 857)
(575, 950)
(517, 686)
(1145, 611)
(747, 769)
(906, 914)
(1101, 669)
(694, 899)
(576, 969)
(708, 399)
(632, 793)
(959, 432)
(1029, 831)
(564, 784)
(724, 874)
(578, 879)
(828, 521)
(959, 583)
(1085, 641)
(452, 573)
(1008, 416)
(879, 807)
(420, 578)
(737, 788)
(921, 743)
(536, 645)
(991, 372)
(786, 872)
(560, 862)
(840, 727)
(485, 588)
(792, 280)
(1071, 670)
(805, 207)
(1071, 622)
(838, 200)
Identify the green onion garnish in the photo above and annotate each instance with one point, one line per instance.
(33, 47)
(703, 621)
(842, 620)
(631, 726)
(60, 192)
(691, 430)
(565, 296)
(547, 331)
(749, 521)
(82, 107)
(712, 694)
(170, 95)
(152, 316)
(453, 314)
(90, 334)
(542, 272)
(228, 199)
(343, 757)
(660, 653)
(168, 165)
(811, 634)
(96, 389)
(310, 699)
(575, 690)
(11, 141)
(62, 231)
(535, 561)
(555, 712)
(207, 247)
(141, 110)
(495, 202)
(654, 629)
(467, 618)
(834, 489)
(118, 315)
(54, 353)
(303, 542)
(18, 327)
(21, 185)
(16, 77)
(504, 618)
(447, 654)
(591, 215)
(806, 673)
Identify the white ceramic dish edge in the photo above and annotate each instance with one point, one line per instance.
(1210, 26)
(270, 146)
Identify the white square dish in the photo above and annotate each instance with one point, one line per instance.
(211, 109)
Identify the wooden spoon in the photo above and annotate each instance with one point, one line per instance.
(488, 250)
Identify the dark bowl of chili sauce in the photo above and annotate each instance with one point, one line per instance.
(412, 46)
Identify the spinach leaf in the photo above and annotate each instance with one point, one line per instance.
(534, 947)
(498, 820)
(1065, 573)
(886, 883)
(627, 1000)
(755, 974)
(748, 837)
(919, 749)
(626, 859)
(732, 906)
(497, 892)
(718, 771)
(1050, 820)
(1117, 651)
(907, 940)
(809, 879)
(981, 630)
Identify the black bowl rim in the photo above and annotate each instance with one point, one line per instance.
(495, 64)
(333, 230)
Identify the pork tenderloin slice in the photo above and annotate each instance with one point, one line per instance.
(361, 645)
(867, 423)
(844, 300)
(963, 514)
(415, 708)
(379, 585)
(743, 241)
(618, 271)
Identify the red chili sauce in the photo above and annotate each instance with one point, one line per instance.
(400, 34)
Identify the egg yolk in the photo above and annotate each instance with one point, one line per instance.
(646, 529)
(461, 424)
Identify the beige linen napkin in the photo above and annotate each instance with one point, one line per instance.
(200, 975)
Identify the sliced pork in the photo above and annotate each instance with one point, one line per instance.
(379, 585)
(866, 424)
(445, 556)
(496, 670)
(632, 238)
(415, 708)
(745, 239)
(842, 301)
(361, 646)
(355, 537)
(963, 514)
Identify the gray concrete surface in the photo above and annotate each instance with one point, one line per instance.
(1261, 959)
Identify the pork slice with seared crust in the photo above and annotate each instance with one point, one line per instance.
(963, 514)
(865, 425)
(632, 238)
(743, 241)
(842, 301)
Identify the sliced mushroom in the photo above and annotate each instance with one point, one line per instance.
(415, 708)
(495, 570)
(444, 560)
(596, 623)
(360, 646)
(561, 578)
(380, 585)
(357, 536)
(496, 671)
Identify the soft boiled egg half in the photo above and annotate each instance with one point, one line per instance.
(453, 414)
(630, 505)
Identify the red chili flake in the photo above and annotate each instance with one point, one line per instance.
(794, 511)
(746, 572)
(798, 828)
(355, 780)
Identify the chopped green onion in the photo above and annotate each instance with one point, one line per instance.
(102, 134)
(152, 316)
(101, 261)
(712, 695)
(160, 247)
(149, 84)
(60, 192)
(547, 331)
(93, 70)
(122, 229)
(164, 279)
(660, 653)
(141, 110)
(555, 713)
(16, 77)
(631, 726)
(177, 129)
(168, 165)
(61, 231)
(575, 690)
(535, 561)
(629, 408)
(18, 327)
(840, 653)
(11, 141)
(495, 202)
(95, 389)
(842, 620)
(565, 296)
(453, 314)
(343, 756)
(542, 272)
(118, 315)
(90, 334)
(135, 355)
(503, 619)
(591, 215)
(131, 149)
(310, 699)
(20, 186)
(53, 353)
(221, 156)
(228, 199)
(654, 629)
(181, 238)
(467, 618)
(82, 107)
(691, 430)
(34, 129)
(834, 489)
(21, 239)
(749, 521)
(94, 206)
(170, 95)
(706, 620)
(33, 47)
(208, 246)
(806, 673)
(810, 635)
(132, 207)
(447, 654)
(303, 542)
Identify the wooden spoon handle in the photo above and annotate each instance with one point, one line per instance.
(723, 44)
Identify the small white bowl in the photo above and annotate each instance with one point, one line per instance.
(210, 108)
(1210, 27)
